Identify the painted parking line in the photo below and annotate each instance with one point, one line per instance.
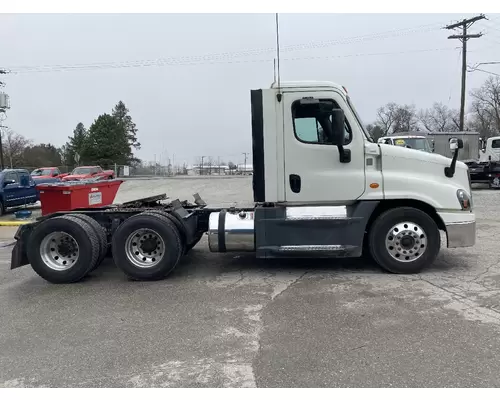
(14, 223)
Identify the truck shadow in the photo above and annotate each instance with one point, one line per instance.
(201, 264)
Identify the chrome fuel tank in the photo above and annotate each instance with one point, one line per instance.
(231, 231)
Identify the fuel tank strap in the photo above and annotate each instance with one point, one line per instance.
(221, 234)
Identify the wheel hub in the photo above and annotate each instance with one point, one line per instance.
(144, 248)
(406, 242)
(59, 251)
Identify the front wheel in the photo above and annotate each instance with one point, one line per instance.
(404, 240)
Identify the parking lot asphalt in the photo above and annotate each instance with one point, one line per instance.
(229, 320)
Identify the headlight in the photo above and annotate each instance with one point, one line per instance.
(464, 199)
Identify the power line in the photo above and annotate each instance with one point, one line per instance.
(229, 55)
(464, 37)
(482, 70)
(145, 65)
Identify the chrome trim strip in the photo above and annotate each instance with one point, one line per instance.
(319, 247)
(320, 212)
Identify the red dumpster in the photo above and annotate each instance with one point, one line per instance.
(67, 196)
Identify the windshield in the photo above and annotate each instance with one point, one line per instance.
(414, 143)
(81, 171)
(356, 115)
(41, 171)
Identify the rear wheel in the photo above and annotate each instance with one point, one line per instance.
(404, 240)
(100, 233)
(147, 246)
(63, 250)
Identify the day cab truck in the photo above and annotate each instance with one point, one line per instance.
(417, 142)
(486, 167)
(321, 186)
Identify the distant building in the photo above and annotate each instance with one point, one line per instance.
(242, 169)
(208, 170)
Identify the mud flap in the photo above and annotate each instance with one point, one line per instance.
(19, 257)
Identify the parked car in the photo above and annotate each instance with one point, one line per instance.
(17, 188)
(86, 172)
(46, 175)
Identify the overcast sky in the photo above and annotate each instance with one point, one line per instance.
(204, 108)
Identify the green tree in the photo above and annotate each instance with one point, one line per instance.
(120, 112)
(75, 144)
(107, 143)
(42, 155)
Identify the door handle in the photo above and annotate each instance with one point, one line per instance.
(295, 183)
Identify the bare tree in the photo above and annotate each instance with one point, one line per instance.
(393, 118)
(385, 117)
(439, 118)
(210, 164)
(486, 107)
(375, 130)
(14, 145)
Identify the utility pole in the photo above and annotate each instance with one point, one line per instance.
(1, 146)
(245, 167)
(4, 106)
(465, 24)
(201, 165)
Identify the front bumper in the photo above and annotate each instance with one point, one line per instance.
(461, 234)
(460, 228)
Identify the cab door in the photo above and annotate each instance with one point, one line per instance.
(12, 192)
(314, 172)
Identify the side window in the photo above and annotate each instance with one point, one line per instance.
(24, 179)
(495, 144)
(308, 127)
(12, 175)
(56, 172)
(307, 130)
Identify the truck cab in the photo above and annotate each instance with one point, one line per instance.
(17, 188)
(490, 149)
(324, 187)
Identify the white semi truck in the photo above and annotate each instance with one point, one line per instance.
(486, 167)
(322, 188)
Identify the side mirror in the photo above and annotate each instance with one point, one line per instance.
(456, 144)
(8, 182)
(338, 134)
(338, 126)
(55, 174)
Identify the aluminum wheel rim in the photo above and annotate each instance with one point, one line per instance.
(406, 242)
(145, 248)
(59, 251)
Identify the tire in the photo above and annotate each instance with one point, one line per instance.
(100, 233)
(186, 247)
(2, 208)
(49, 264)
(419, 233)
(139, 239)
(180, 228)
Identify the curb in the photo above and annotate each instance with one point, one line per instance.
(14, 223)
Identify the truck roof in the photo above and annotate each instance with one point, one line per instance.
(308, 85)
(15, 170)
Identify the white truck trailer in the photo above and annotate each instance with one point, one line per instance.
(322, 188)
